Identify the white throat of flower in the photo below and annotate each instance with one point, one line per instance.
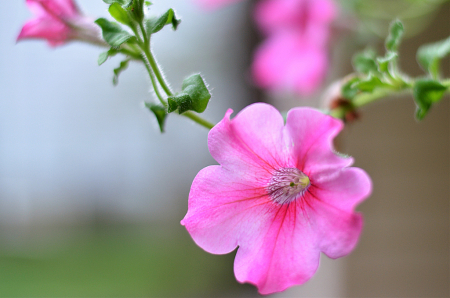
(287, 184)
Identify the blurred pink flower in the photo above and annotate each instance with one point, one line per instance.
(295, 54)
(280, 194)
(214, 4)
(289, 61)
(59, 21)
(310, 17)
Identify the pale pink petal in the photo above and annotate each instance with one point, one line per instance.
(337, 231)
(305, 15)
(312, 133)
(52, 21)
(36, 8)
(252, 141)
(271, 60)
(323, 11)
(62, 9)
(223, 205)
(343, 190)
(282, 254)
(289, 61)
(317, 36)
(214, 4)
(307, 70)
(55, 32)
(273, 15)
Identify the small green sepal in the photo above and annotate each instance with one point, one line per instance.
(160, 114)
(136, 9)
(426, 93)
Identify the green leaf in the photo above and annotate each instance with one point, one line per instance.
(148, 3)
(160, 114)
(364, 62)
(155, 24)
(429, 55)
(194, 96)
(426, 93)
(117, 71)
(395, 36)
(197, 90)
(119, 14)
(181, 101)
(369, 84)
(349, 90)
(113, 34)
(105, 55)
(383, 62)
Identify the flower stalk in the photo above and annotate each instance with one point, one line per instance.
(157, 77)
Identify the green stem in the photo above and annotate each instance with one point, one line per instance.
(144, 34)
(133, 54)
(367, 98)
(145, 46)
(155, 86)
(153, 70)
(198, 119)
(156, 71)
(364, 99)
(446, 83)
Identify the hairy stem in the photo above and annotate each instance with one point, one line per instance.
(198, 119)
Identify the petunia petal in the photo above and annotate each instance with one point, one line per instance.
(61, 9)
(310, 18)
(222, 206)
(47, 28)
(283, 253)
(338, 231)
(254, 139)
(214, 4)
(312, 133)
(344, 190)
(323, 11)
(288, 60)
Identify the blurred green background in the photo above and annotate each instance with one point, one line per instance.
(112, 260)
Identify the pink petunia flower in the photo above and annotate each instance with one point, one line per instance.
(280, 194)
(289, 61)
(59, 21)
(295, 55)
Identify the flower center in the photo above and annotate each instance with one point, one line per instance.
(287, 184)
